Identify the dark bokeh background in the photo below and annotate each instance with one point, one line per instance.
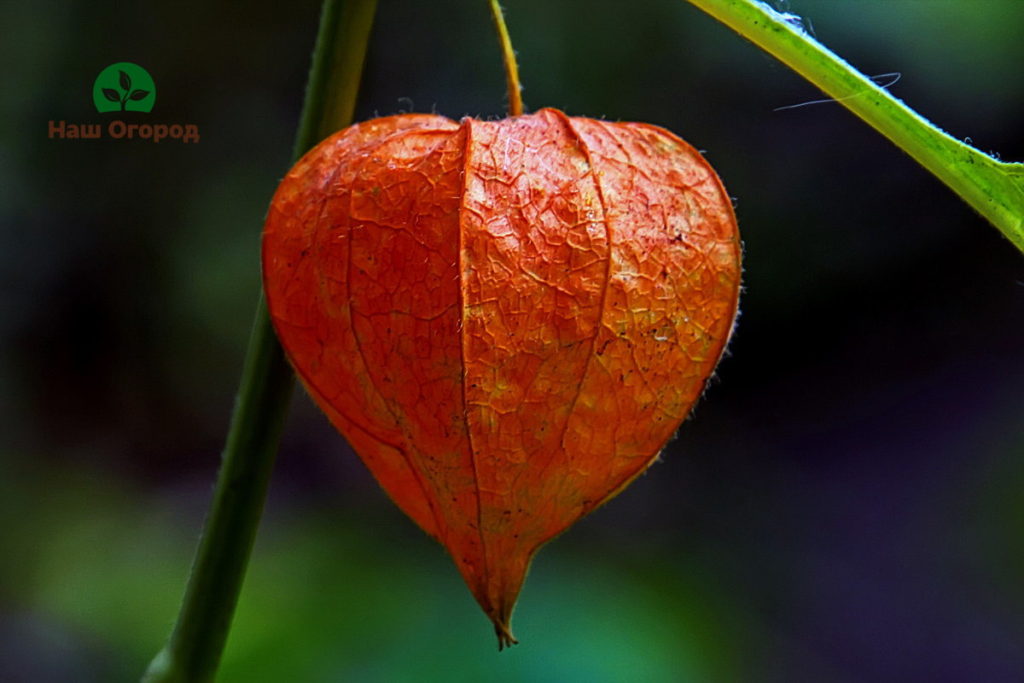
(845, 505)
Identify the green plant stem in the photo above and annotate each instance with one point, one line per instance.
(508, 57)
(195, 646)
(994, 188)
(194, 649)
(334, 75)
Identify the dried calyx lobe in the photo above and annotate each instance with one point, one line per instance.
(507, 319)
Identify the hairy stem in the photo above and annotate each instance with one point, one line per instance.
(508, 55)
(195, 646)
(994, 188)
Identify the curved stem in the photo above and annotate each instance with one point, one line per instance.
(994, 188)
(194, 649)
(334, 75)
(508, 55)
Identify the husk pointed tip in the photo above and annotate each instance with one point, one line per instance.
(504, 632)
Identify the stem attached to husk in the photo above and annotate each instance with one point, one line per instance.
(508, 55)
(515, 108)
(195, 646)
(994, 188)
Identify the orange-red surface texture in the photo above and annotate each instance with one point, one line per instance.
(507, 319)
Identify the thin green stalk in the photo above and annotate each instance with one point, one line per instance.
(508, 56)
(335, 72)
(195, 646)
(994, 188)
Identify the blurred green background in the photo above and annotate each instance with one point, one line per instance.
(845, 504)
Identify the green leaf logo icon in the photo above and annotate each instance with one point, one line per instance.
(124, 87)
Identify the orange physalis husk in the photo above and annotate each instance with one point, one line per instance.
(506, 319)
